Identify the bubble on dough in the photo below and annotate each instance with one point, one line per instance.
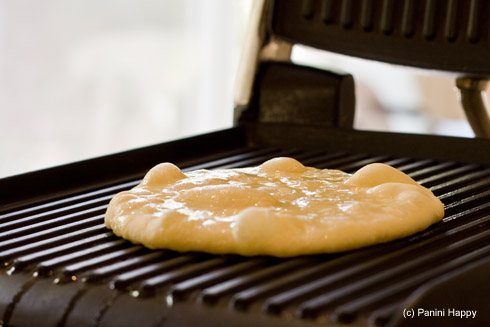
(282, 164)
(162, 174)
(378, 173)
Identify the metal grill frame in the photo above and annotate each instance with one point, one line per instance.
(98, 289)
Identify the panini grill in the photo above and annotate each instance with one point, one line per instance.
(62, 267)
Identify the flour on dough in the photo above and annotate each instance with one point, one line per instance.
(280, 208)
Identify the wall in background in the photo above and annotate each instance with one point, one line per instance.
(81, 79)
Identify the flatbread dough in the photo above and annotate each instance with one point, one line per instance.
(280, 208)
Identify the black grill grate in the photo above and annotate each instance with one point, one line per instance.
(65, 240)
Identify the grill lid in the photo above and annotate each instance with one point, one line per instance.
(443, 35)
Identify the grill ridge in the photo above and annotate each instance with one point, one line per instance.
(26, 229)
(348, 311)
(401, 272)
(213, 293)
(25, 237)
(59, 250)
(49, 265)
(179, 290)
(135, 262)
(123, 280)
(13, 251)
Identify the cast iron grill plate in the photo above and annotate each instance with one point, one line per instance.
(62, 250)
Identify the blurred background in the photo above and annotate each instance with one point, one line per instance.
(80, 79)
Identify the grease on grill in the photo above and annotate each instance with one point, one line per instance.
(279, 208)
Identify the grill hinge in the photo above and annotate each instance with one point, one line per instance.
(271, 89)
(288, 93)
